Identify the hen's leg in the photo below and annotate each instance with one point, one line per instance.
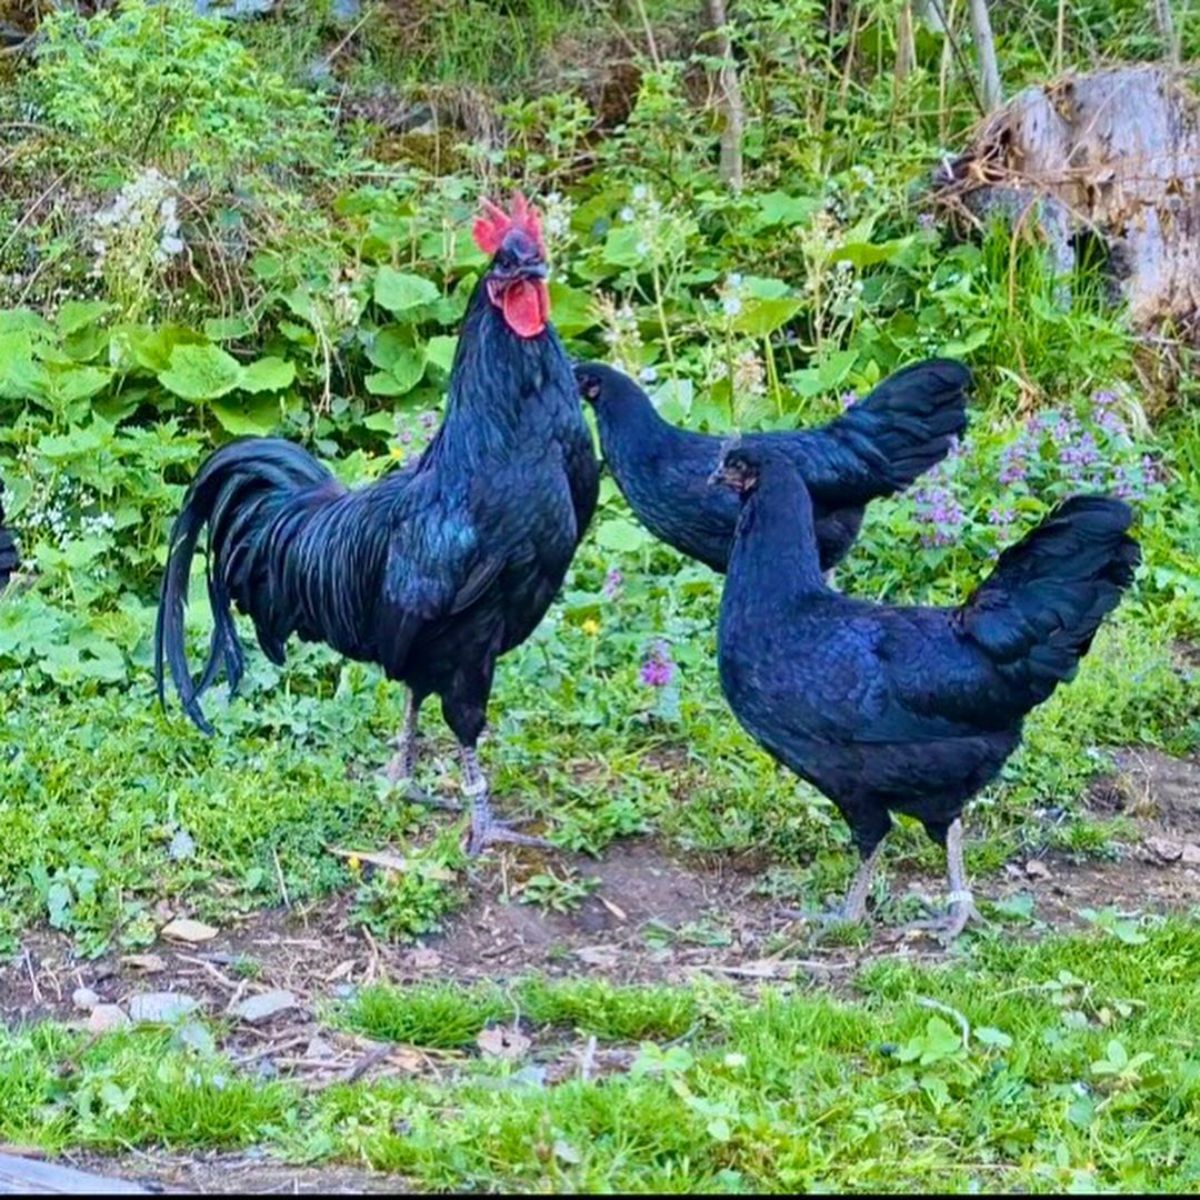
(854, 907)
(399, 771)
(962, 904)
(485, 829)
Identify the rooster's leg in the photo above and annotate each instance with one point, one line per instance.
(962, 904)
(485, 829)
(400, 770)
(854, 907)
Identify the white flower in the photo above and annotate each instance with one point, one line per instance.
(172, 245)
(642, 247)
(649, 374)
(641, 192)
(627, 214)
(734, 281)
(732, 305)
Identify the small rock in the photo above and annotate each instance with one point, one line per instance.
(1164, 848)
(184, 929)
(318, 1049)
(424, 959)
(84, 998)
(1191, 855)
(151, 964)
(598, 956)
(104, 1018)
(1036, 869)
(151, 1008)
(254, 1010)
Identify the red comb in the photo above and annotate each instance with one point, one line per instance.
(491, 227)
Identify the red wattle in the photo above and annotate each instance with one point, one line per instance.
(526, 307)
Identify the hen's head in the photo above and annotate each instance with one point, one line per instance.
(516, 280)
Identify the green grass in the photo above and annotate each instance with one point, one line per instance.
(1081, 1071)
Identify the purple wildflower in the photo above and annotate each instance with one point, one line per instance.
(659, 669)
(940, 512)
(406, 437)
(1002, 514)
(925, 220)
(612, 584)
(849, 399)
(429, 418)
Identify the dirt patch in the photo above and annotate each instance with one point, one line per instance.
(654, 917)
(250, 1173)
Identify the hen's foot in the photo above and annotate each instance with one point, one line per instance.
(951, 923)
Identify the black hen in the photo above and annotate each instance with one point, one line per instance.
(10, 560)
(432, 572)
(877, 448)
(909, 710)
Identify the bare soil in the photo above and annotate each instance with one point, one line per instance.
(655, 917)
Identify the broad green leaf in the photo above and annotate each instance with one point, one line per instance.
(993, 1037)
(267, 375)
(622, 536)
(870, 254)
(571, 309)
(81, 383)
(778, 208)
(201, 372)
(405, 373)
(440, 351)
(24, 320)
(388, 344)
(78, 314)
(399, 291)
(381, 422)
(151, 349)
(256, 416)
(226, 329)
(763, 287)
(623, 247)
(761, 316)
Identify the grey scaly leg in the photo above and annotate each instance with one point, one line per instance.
(854, 908)
(399, 771)
(485, 829)
(961, 903)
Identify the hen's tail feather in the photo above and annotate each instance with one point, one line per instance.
(234, 494)
(1037, 613)
(10, 560)
(910, 421)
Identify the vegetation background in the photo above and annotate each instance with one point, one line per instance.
(255, 219)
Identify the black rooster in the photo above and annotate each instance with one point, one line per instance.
(878, 447)
(434, 571)
(909, 710)
(10, 560)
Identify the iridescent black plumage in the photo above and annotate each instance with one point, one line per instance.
(910, 710)
(878, 447)
(434, 571)
(10, 560)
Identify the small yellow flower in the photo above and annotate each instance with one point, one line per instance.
(354, 863)
(397, 451)
(591, 627)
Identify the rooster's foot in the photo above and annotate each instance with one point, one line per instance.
(493, 832)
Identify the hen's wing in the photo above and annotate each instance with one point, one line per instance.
(881, 444)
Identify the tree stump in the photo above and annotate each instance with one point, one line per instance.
(1114, 154)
